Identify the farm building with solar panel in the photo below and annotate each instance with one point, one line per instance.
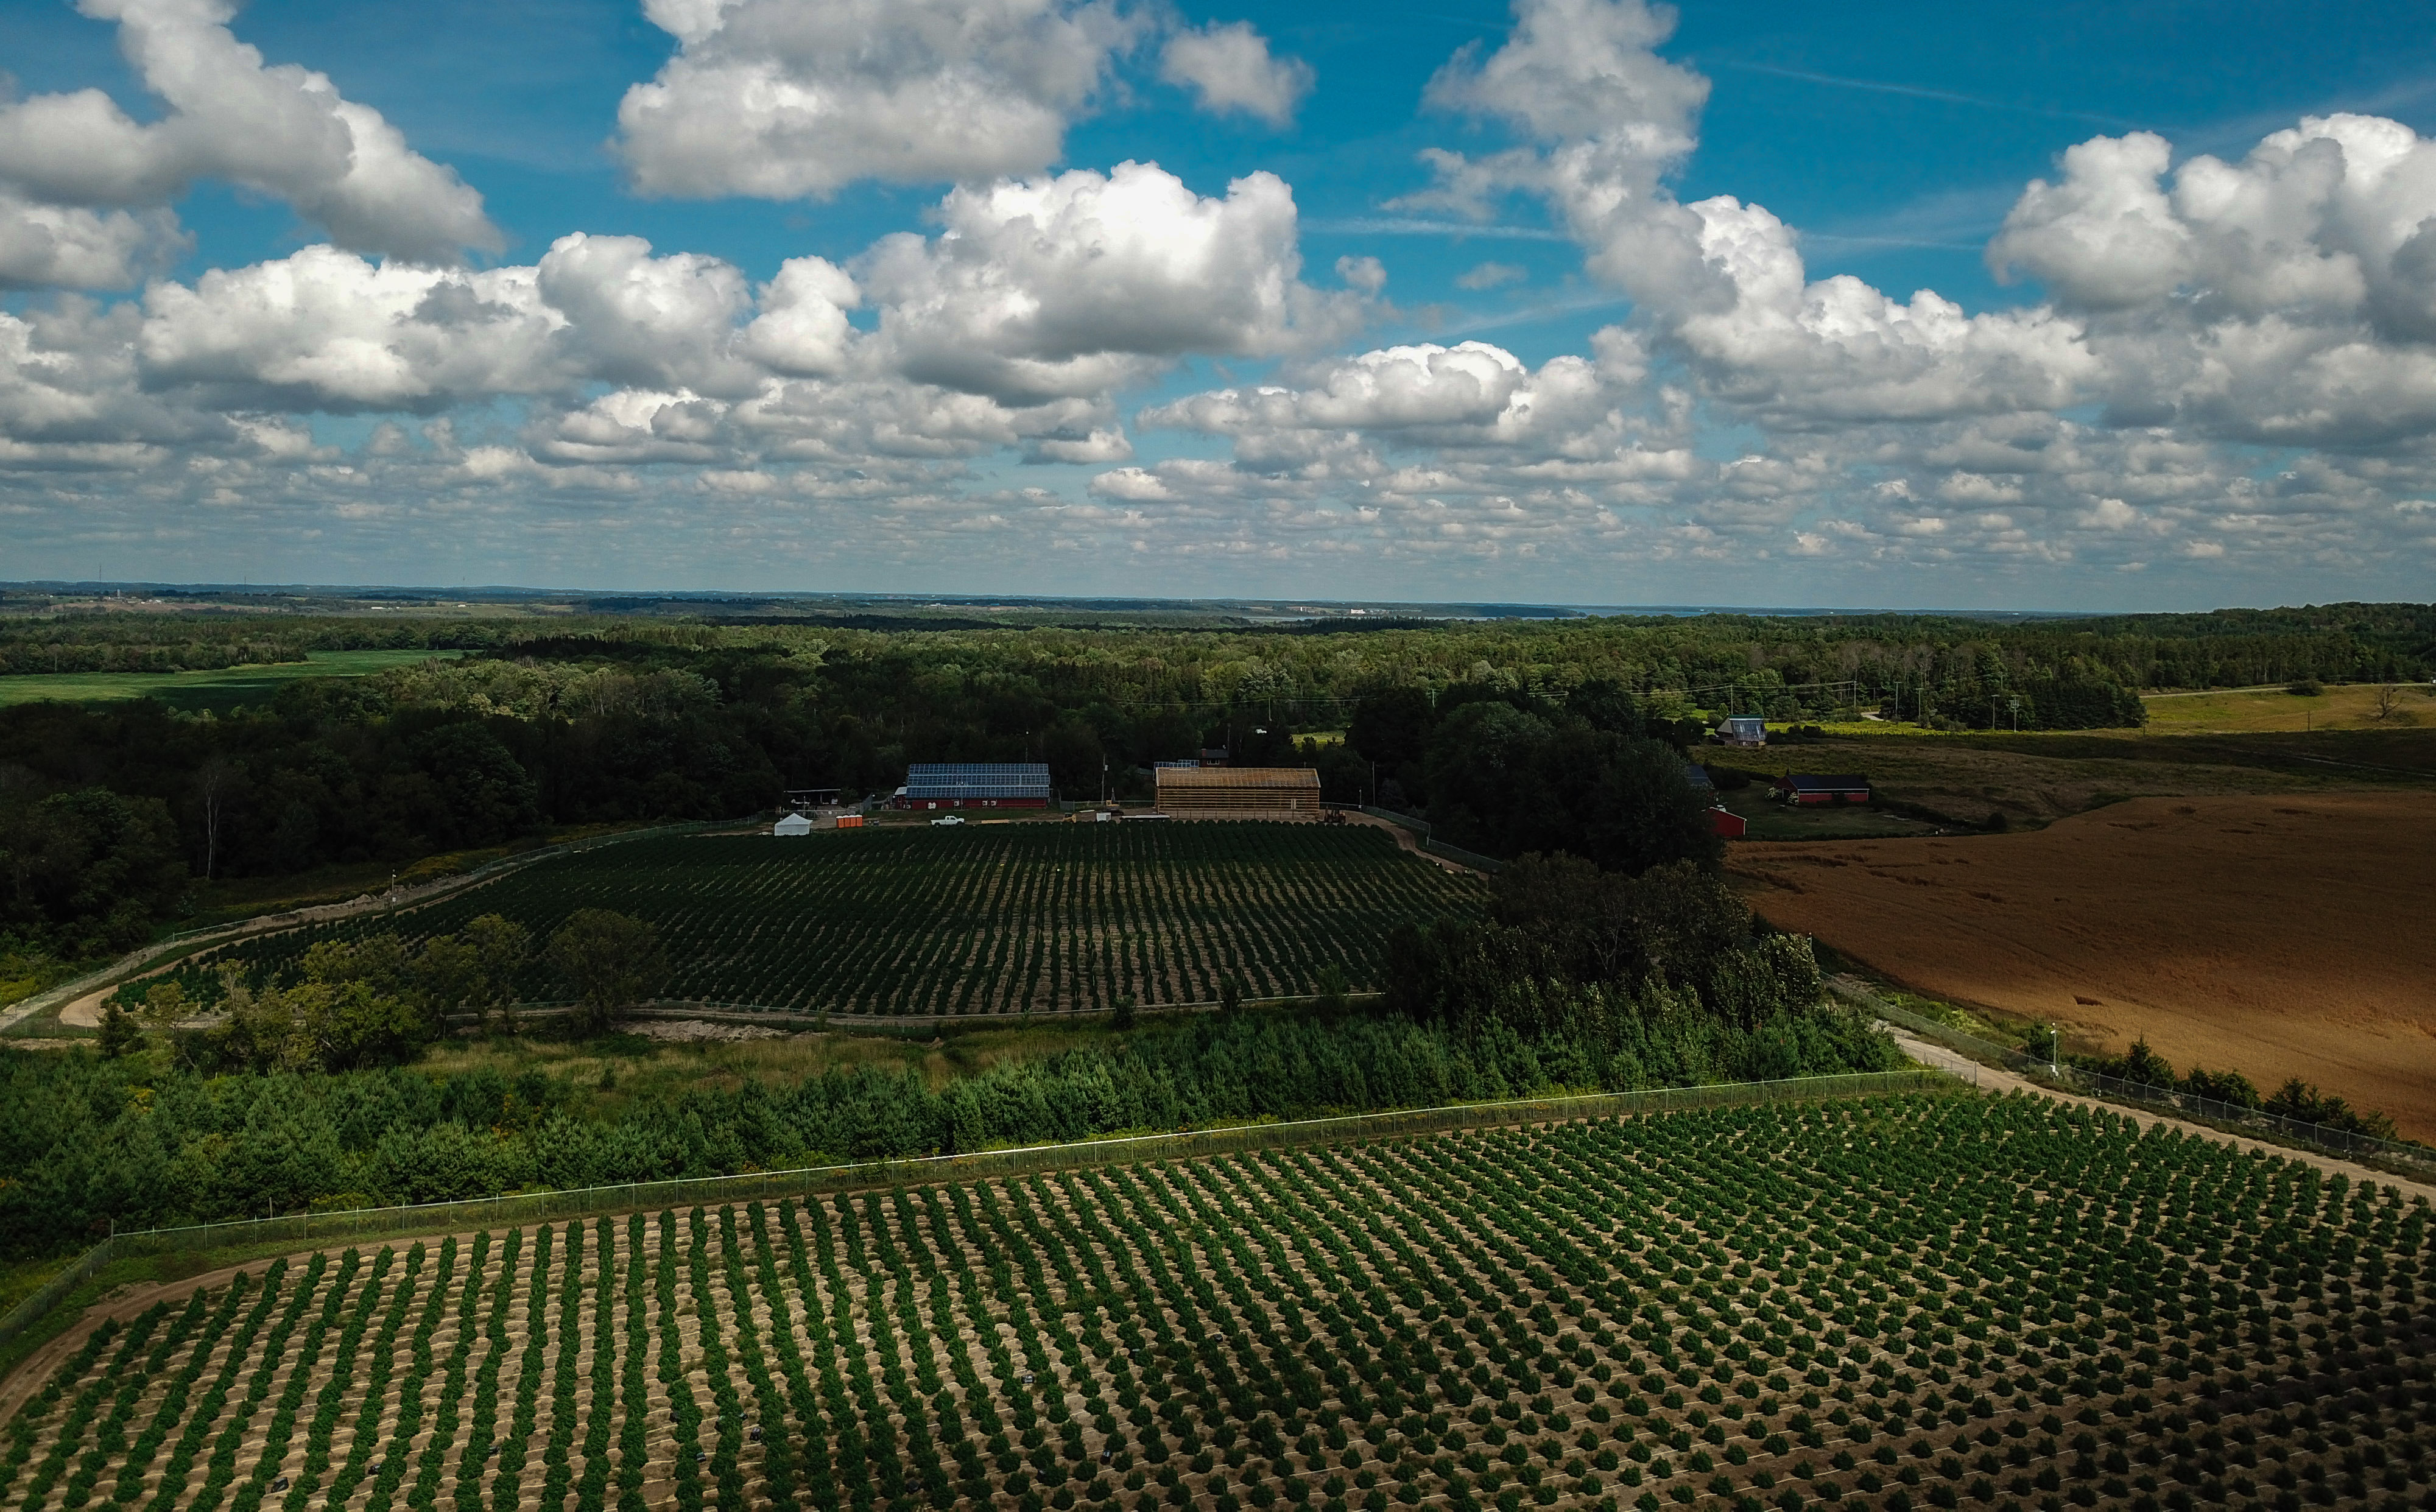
(974, 785)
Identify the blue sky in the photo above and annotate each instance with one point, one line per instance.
(1652, 339)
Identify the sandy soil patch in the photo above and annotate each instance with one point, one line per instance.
(697, 1031)
(2278, 936)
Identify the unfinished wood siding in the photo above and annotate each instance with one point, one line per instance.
(1239, 793)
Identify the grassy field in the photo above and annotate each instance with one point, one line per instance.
(625, 1067)
(1770, 820)
(2032, 779)
(1966, 1300)
(2259, 710)
(218, 691)
(985, 919)
(2276, 936)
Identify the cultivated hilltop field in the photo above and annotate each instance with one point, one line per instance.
(2277, 935)
(1853, 1304)
(987, 919)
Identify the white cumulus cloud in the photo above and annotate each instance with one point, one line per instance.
(794, 98)
(2288, 298)
(49, 246)
(280, 130)
(802, 329)
(1840, 350)
(325, 329)
(1229, 67)
(1605, 119)
(1078, 283)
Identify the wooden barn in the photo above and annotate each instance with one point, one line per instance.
(1239, 793)
(1802, 789)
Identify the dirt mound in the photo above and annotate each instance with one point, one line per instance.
(2278, 936)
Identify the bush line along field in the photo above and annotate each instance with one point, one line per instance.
(994, 919)
(1837, 1304)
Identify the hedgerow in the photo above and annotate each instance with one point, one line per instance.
(197, 1149)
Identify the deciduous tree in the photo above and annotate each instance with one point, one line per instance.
(613, 960)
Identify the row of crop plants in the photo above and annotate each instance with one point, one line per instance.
(1038, 917)
(1956, 1301)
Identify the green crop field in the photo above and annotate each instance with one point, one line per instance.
(1948, 1301)
(218, 690)
(987, 919)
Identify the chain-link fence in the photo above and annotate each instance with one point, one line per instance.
(2409, 1160)
(311, 1229)
(55, 1291)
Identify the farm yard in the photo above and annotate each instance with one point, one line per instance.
(2274, 936)
(1855, 1304)
(987, 919)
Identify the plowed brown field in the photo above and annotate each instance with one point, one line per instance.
(2288, 935)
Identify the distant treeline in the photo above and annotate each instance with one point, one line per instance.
(200, 654)
(192, 642)
(1511, 734)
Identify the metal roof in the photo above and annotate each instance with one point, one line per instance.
(977, 779)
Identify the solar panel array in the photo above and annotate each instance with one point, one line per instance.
(968, 780)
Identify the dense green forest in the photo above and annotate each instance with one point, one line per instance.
(1490, 728)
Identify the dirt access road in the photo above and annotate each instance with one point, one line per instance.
(2275, 936)
(1989, 1079)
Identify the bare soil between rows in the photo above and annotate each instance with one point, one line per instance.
(2278, 936)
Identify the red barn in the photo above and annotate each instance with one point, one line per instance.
(1730, 826)
(1801, 788)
